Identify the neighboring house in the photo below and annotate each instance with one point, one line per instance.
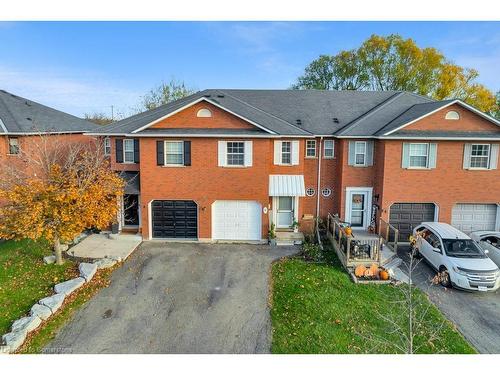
(225, 164)
(22, 121)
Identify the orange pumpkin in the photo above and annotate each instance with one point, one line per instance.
(384, 275)
(368, 272)
(375, 270)
(348, 231)
(360, 271)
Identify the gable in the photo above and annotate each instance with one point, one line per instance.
(468, 121)
(188, 119)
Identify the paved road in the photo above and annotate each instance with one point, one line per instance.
(179, 298)
(476, 315)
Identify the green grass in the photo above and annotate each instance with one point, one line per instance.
(316, 308)
(25, 279)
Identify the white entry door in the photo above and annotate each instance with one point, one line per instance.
(236, 220)
(358, 207)
(285, 212)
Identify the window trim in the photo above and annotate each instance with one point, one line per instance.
(232, 153)
(450, 113)
(478, 156)
(356, 153)
(288, 152)
(427, 156)
(310, 148)
(107, 146)
(9, 146)
(165, 153)
(125, 141)
(332, 148)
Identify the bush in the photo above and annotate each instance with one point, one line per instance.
(312, 252)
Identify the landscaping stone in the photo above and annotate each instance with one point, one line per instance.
(50, 259)
(53, 302)
(87, 270)
(13, 340)
(68, 287)
(43, 312)
(27, 324)
(105, 263)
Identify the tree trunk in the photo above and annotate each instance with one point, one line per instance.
(57, 251)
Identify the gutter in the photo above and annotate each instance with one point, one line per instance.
(318, 194)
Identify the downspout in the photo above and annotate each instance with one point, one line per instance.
(318, 192)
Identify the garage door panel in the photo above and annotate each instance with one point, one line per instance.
(469, 217)
(406, 216)
(236, 220)
(174, 219)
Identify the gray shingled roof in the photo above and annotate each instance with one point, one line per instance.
(20, 115)
(301, 112)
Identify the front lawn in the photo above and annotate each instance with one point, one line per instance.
(316, 308)
(25, 279)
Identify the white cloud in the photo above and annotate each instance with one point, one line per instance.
(73, 92)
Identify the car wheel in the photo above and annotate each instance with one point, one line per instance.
(444, 277)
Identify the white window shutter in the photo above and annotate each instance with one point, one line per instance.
(277, 152)
(295, 152)
(248, 153)
(369, 152)
(222, 153)
(405, 159)
(467, 152)
(494, 156)
(352, 153)
(432, 155)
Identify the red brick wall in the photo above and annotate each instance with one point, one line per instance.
(123, 166)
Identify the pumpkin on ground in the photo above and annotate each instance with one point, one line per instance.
(360, 271)
(384, 275)
(368, 272)
(375, 270)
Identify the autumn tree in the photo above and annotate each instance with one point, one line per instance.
(65, 188)
(392, 63)
(163, 94)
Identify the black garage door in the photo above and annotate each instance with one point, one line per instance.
(175, 219)
(406, 216)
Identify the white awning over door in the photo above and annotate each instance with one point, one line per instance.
(284, 185)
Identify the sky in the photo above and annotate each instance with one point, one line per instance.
(87, 67)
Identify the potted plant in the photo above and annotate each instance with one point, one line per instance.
(272, 235)
(295, 226)
(115, 228)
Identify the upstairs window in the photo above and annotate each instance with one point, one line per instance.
(310, 148)
(204, 113)
(174, 153)
(452, 115)
(107, 146)
(328, 149)
(128, 151)
(13, 146)
(480, 156)
(236, 153)
(419, 155)
(360, 153)
(286, 152)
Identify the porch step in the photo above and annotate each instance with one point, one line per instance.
(289, 238)
(394, 263)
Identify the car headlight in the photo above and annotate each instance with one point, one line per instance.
(459, 271)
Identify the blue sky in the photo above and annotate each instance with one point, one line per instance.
(83, 67)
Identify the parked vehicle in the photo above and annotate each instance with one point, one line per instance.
(490, 243)
(461, 262)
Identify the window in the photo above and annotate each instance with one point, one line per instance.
(326, 192)
(452, 115)
(13, 146)
(128, 151)
(204, 113)
(174, 153)
(235, 153)
(419, 155)
(360, 153)
(328, 145)
(310, 192)
(480, 156)
(286, 152)
(107, 146)
(311, 149)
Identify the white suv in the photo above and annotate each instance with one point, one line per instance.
(461, 262)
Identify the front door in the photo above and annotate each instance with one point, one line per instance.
(130, 210)
(358, 207)
(285, 212)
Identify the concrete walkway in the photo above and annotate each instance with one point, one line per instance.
(100, 245)
(180, 298)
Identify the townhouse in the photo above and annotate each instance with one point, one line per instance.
(22, 121)
(227, 164)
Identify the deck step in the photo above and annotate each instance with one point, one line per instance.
(289, 238)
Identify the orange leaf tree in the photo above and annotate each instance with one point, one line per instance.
(74, 190)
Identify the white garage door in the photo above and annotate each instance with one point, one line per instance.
(469, 217)
(236, 220)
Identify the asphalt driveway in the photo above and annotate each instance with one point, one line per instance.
(179, 298)
(475, 314)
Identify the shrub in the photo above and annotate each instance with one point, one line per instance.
(312, 252)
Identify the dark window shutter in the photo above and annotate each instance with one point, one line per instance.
(119, 150)
(160, 154)
(136, 151)
(187, 152)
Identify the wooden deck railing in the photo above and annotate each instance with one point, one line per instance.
(389, 235)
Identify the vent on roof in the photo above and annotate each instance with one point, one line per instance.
(28, 104)
(335, 120)
(220, 95)
(207, 95)
(298, 121)
(29, 119)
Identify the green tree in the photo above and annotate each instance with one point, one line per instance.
(393, 63)
(163, 94)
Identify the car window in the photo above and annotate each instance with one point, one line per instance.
(434, 241)
(462, 249)
(492, 240)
